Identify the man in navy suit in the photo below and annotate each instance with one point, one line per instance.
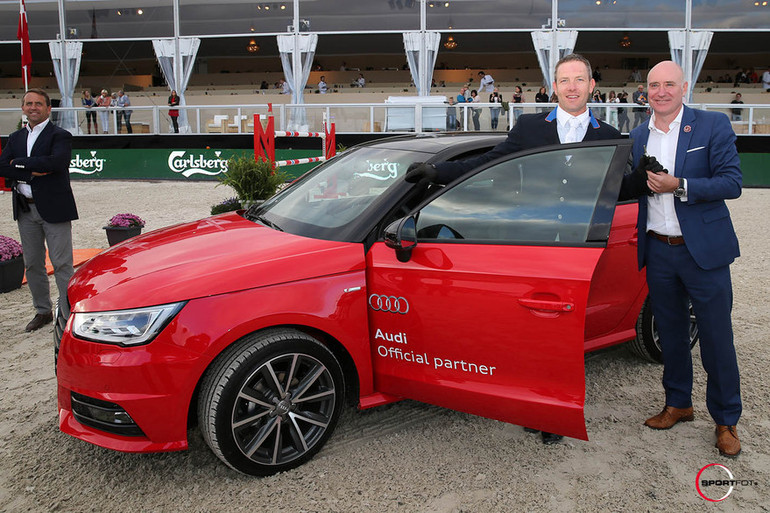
(687, 242)
(37, 159)
(570, 122)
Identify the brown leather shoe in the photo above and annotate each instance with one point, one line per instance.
(38, 321)
(727, 441)
(669, 416)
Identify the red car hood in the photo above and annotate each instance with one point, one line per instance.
(204, 258)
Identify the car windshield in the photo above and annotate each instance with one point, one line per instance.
(330, 198)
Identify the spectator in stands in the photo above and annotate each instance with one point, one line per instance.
(494, 112)
(542, 97)
(736, 114)
(640, 98)
(597, 75)
(322, 87)
(88, 102)
(623, 119)
(103, 101)
(740, 78)
(518, 97)
(283, 86)
(613, 116)
(451, 114)
(463, 96)
(264, 85)
(123, 102)
(635, 76)
(752, 76)
(486, 83)
(598, 97)
(475, 112)
(766, 79)
(173, 101)
(361, 81)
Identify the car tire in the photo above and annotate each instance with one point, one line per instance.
(647, 343)
(270, 401)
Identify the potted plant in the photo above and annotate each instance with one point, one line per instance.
(122, 227)
(11, 264)
(254, 180)
(227, 205)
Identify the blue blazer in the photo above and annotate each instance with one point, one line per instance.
(531, 131)
(707, 157)
(50, 154)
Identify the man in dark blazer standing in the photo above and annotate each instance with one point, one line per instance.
(570, 122)
(688, 247)
(37, 159)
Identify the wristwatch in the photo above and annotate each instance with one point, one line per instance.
(680, 191)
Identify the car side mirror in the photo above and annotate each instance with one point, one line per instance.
(401, 235)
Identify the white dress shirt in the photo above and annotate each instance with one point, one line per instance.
(563, 126)
(661, 216)
(32, 135)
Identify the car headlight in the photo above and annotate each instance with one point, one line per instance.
(124, 327)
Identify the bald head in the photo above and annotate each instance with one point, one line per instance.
(666, 90)
(667, 69)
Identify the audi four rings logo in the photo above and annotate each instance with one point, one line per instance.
(390, 304)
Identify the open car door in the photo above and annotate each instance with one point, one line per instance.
(486, 312)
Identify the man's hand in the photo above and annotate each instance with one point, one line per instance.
(650, 163)
(662, 182)
(647, 163)
(420, 171)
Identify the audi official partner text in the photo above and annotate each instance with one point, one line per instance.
(352, 285)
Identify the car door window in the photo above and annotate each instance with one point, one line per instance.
(538, 198)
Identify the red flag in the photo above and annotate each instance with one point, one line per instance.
(26, 52)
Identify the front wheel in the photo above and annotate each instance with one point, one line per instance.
(647, 342)
(270, 402)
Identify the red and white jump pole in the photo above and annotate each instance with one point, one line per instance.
(264, 141)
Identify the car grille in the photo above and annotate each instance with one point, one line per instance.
(103, 415)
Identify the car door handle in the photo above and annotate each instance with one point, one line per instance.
(544, 305)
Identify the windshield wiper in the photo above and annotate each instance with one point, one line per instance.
(269, 224)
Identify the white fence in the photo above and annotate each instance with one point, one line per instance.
(359, 117)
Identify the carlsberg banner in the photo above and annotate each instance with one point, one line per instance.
(167, 164)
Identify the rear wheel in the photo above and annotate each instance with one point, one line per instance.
(647, 342)
(271, 401)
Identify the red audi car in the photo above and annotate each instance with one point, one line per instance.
(352, 285)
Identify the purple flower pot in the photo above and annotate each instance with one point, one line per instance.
(11, 274)
(117, 234)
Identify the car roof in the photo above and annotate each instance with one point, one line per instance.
(439, 142)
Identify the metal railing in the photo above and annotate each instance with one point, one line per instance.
(355, 117)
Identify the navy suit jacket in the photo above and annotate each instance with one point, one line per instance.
(531, 131)
(707, 157)
(50, 154)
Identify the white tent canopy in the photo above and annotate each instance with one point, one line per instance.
(699, 43)
(69, 52)
(297, 51)
(421, 52)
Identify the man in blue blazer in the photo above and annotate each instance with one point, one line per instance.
(687, 242)
(37, 158)
(573, 85)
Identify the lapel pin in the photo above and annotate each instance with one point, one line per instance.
(687, 128)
